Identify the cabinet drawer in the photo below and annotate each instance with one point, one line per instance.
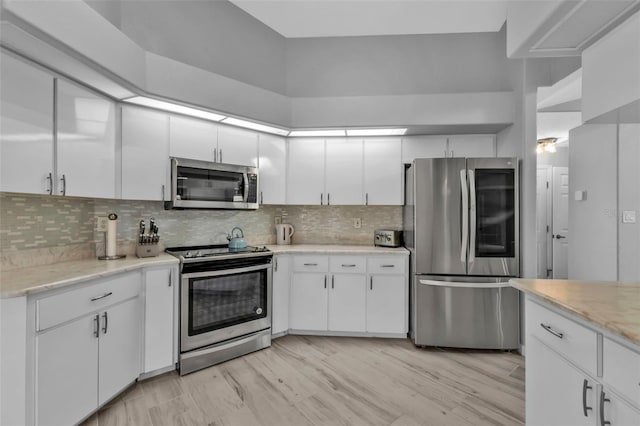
(574, 341)
(386, 265)
(310, 263)
(347, 264)
(621, 369)
(72, 304)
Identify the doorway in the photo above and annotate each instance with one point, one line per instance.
(552, 220)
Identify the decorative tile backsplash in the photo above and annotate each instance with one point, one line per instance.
(40, 229)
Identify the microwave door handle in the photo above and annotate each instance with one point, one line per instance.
(465, 216)
(246, 186)
(472, 216)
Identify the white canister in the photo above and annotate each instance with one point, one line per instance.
(284, 232)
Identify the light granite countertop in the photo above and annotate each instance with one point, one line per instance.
(335, 249)
(26, 281)
(614, 306)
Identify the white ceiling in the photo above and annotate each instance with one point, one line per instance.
(335, 18)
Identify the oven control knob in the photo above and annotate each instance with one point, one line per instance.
(258, 311)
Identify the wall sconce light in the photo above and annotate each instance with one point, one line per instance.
(546, 145)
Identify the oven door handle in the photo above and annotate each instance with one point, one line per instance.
(225, 271)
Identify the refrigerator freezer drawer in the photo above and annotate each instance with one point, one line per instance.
(464, 315)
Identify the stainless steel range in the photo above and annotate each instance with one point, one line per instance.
(225, 303)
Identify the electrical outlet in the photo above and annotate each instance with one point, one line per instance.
(278, 220)
(102, 223)
(357, 222)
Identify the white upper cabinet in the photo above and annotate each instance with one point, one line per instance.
(423, 147)
(145, 154)
(86, 143)
(344, 170)
(472, 146)
(26, 123)
(237, 146)
(305, 177)
(383, 171)
(193, 138)
(272, 165)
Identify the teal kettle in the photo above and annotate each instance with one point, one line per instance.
(236, 242)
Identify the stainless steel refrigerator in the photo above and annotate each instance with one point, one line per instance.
(462, 226)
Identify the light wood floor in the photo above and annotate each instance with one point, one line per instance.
(303, 380)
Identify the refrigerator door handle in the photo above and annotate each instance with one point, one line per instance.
(464, 284)
(472, 216)
(465, 216)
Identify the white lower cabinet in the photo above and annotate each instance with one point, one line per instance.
(280, 298)
(563, 385)
(160, 295)
(349, 294)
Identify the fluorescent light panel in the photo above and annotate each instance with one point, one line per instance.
(180, 109)
(255, 126)
(376, 132)
(311, 133)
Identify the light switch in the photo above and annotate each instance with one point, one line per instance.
(628, 216)
(580, 195)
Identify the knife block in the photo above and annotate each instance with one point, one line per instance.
(148, 249)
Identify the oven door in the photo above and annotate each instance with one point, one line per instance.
(223, 304)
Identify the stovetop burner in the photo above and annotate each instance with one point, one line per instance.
(214, 252)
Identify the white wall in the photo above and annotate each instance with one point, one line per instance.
(556, 159)
(593, 157)
(629, 199)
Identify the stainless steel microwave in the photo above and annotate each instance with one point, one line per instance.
(205, 185)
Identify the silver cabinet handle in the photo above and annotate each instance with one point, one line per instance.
(387, 266)
(170, 276)
(370, 283)
(321, 199)
(50, 180)
(93, 299)
(585, 386)
(325, 281)
(351, 265)
(328, 199)
(333, 279)
(96, 330)
(310, 264)
(106, 323)
(603, 399)
(366, 199)
(275, 265)
(261, 198)
(220, 155)
(63, 179)
(215, 155)
(552, 331)
(162, 192)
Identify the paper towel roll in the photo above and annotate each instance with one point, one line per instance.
(112, 232)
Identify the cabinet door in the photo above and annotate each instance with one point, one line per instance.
(347, 302)
(86, 138)
(305, 178)
(193, 138)
(383, 171)
(618, 412)
(120, 348)
(67, 372)
(280, 303)
(273, 166)
(308, 303)
(472, 146)
(145, 154)
(344, 172)
(158, 319)
(423, 147)
(26, 120)
(386, 304)
(554, 389)
(237, 146)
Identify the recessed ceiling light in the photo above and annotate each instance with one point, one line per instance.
(376, 132)
(255, 126)
(311, 133)
(168, 106)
